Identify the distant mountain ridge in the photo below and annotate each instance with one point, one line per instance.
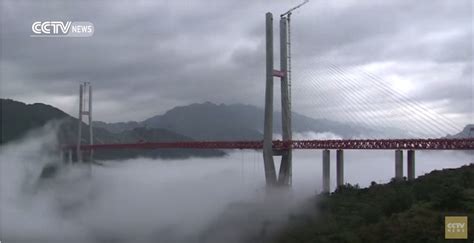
(205, 121)
(117, 127)
(209, 121)
(467, 132)
(18, 118)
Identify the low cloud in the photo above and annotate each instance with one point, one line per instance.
(143, 200)
(138, 200)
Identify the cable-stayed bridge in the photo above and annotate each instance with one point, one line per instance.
(363, 98)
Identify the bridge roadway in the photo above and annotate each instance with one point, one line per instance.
(281, 147)
(358, 144)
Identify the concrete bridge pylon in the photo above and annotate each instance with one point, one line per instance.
(285, 172)
(85, 97)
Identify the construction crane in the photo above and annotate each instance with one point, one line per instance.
(288, 43)
(288, 13)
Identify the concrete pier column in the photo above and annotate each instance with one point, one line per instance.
(69, 155)
(340, 167)
(326, 170)
(62, 155)
(398, 164)
(79, 127)
(411, 164)
(91, 136)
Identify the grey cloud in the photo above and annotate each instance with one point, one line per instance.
(148, 56)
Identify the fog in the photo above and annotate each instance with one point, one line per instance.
(145, 200)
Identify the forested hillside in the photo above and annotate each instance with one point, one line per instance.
(395, 212)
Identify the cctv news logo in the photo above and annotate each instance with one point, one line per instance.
(62, 29)
(455, 227)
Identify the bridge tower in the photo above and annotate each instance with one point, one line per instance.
(85, 94)
(284, 175)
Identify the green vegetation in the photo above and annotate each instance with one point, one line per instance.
(402, 211)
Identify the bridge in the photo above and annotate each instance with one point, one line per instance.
(278, 145)
(284, 147)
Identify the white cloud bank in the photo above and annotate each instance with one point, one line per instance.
(143, 200)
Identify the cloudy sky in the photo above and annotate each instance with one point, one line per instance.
(146, 57)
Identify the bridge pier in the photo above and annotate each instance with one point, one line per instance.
(399, 164)
(411, 165)
(340, 167)
(326, 170)
(62, 155)
(69, 155)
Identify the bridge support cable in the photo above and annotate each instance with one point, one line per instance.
(414, 106)
(355, 100)
(303, 91)
(440, 119)
(431, 127)
(323, 102)
(403, 108)
(366, 102)
(317, 82)
(420, 110)
(390, 93)
(306, 88)
(355, 117)
(417, 105)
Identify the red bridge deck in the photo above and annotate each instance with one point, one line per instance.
(417, 144)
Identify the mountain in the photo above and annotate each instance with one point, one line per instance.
(208, 121)
(18, 118)
(467, 132)
(118, 126)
